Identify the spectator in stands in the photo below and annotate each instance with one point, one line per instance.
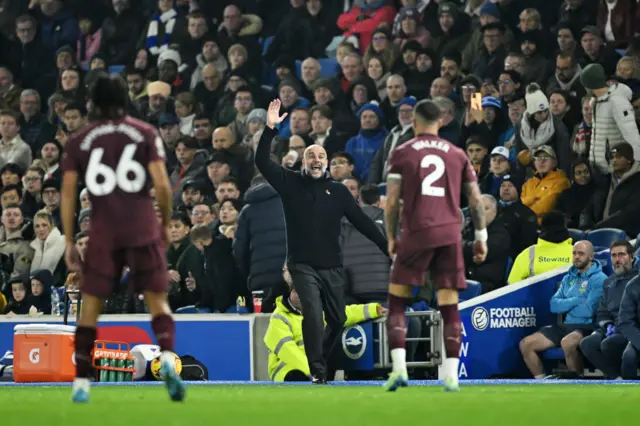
(519, 220)
(604, 347)
(341, 166)
(158, 102)
(188, 165)
(383, 49)
(491, 272)
(576, 13)
(310, 70)
(239, 28)
(50, 155)
(12, 241)
(489, 63)
(237, 156)
(41, 287)
(573, 201)
(259, 245)
(209, 62)
(366, 268)
(183, 260)
(58, 26)
(629, 326)
(137, 84)
(361, 92)
(509, 82)
(489, 14)
(10, 194)
(117, 44)
(499, 167)
(18, 303)
(227, 188)
(536, 67)
(418, 79)
(369, 140)
(411, 28)
(323, 132)
(552, 250)
(581, 138)
(165, 27)
(364, 18)
(450, 129)
(202, 131)
(567, 75)
(12, 148)
(353, 184)
(400, 134)
(450, 69)
(202, 214)
(290, 363)
(616, 204)
(48, 246)
(396, 92)
(578, 297)
(169, 127)
(186, 108)
(84, 219)
(477, 152)
(488, 123)
(51, 199)
(89, 42)
(453, 35)
(541, 192)
(34, 128)
(565, 107)
(289, 94)
(191, 194)
(596, 52)
(32, 197)
(9, 92)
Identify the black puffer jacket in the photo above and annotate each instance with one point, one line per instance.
(367, 268)
(260, 243)
(613, 289)
(491, 273)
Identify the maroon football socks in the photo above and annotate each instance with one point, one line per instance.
(85, 339)
(165, 331)
(396, 322)
(452, 330)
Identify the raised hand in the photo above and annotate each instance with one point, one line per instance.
(273, 114)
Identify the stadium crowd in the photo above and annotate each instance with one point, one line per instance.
(553, 137)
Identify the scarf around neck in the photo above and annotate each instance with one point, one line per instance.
(535, 138)
(168, 19)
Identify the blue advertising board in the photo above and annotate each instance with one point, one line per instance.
(223, 343)
(494, 324)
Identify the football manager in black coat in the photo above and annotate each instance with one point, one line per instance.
(314, 206)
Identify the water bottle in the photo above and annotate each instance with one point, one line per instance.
(55, 301)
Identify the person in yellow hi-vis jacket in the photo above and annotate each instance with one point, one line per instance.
(553, 249)
(287, 359)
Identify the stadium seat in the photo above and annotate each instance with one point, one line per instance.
(553, 354)
(577, 234)
(328, 68)
(605, 236)
(116, 69)
(474, 289)
(605, 260)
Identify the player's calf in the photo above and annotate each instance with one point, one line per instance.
(452, 341)
(85, 338)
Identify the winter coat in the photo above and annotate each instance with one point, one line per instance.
(47, 254)
(579, 294)
(560, 142)
(629, 314)
(398, 136)
(541, 192)
(15, 151)
(351, 23)
(117, 44)
(522, 224)
(613, 122)
(367, 269)
(491, 273)
(184, 259)
(285, 126)
(260, 241)
(363, 147)
(18, 249)
(613, 289)
(59, 30)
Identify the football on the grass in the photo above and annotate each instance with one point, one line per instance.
(155, 366)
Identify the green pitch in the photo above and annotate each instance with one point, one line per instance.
(564, 405)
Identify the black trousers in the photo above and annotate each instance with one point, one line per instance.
(320, 291)
(605, 353)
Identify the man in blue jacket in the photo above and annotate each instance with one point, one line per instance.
(604, 347)
(577, 297)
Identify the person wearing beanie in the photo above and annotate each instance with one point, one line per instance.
(537, 67)
(539, 127)
(553, 249)
(289, 91)
(453, 31)
(541, 191)
(520, 221)
(399, 134)
(411, 28)
(613, 118)
(363, 18)
(369, 140)
(617, 204)
(596, 51)
(383, 47)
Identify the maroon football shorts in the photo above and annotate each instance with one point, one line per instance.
(103, 267)
(445, 263)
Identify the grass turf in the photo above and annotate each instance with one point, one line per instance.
(564, 405)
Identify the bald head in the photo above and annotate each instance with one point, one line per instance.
(582, 255)
(314, 161)
(222, 138)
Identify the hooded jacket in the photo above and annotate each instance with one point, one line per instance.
(284, 336)
(613, 122)
(579, 294)
(364, 146)
(367, 269)
(43, 302)
(260, 243)
(613, 289)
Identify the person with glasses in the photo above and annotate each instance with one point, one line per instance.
(341, 166)
(493, 52)
(541, 192)
(567, 75)
(509, 82)
(243, 104)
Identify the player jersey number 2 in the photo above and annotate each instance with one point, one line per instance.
(129, 175)
(429, 182)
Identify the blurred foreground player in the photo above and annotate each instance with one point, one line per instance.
(428, 173)
(113, 156)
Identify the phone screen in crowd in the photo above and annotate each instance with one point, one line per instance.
(476, 101)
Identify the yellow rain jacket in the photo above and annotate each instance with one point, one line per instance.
(284, 337)
(540, 194)
(540, 258)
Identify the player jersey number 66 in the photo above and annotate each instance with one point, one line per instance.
(130, 176)
(428, 187)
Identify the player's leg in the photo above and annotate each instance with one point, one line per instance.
(547, 338)
(148, 272)
(84, 341)
(570, 344)
(448, 275)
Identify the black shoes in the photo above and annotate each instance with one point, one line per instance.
(318, 381)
